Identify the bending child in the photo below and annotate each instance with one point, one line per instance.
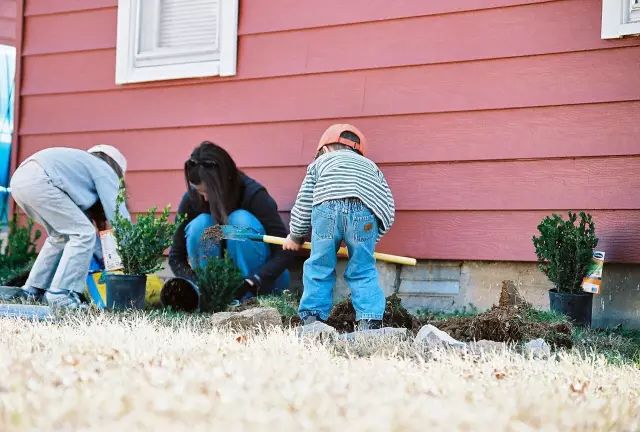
(66, 191)
(344, 198)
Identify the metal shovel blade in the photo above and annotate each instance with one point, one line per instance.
(217, 233)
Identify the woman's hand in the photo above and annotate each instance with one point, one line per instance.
(291, 245)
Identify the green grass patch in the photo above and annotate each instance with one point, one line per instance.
(617, 345)
(429, 315)
(544, 316)
(284, 303)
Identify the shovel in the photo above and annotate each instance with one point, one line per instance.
(231, 232)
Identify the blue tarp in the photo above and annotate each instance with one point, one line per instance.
(7, 91)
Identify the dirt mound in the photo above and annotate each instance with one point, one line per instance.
(250, 303)
(513, 320)
(506, 324)
(343, 315)
(510, 296)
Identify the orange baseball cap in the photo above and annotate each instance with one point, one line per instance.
(332, 136)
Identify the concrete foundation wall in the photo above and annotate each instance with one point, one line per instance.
(455, 285)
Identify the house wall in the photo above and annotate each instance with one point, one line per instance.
(485, 115)
(8, 22)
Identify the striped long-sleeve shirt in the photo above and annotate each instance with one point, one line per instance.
(342, 174)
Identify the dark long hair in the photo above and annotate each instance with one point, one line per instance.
(212, 166)
(96, 211)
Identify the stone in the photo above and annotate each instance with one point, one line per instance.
(432, 337)
(383, 333)
(537, 348)
(263, 317)
(486, 347)
(317, 329)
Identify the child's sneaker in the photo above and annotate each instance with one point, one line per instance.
(369, 324)
(310, 319)
(65, 299)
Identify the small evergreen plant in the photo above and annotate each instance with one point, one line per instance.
(564, 249)
(141, 244)
(218, 280)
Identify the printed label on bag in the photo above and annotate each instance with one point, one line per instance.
(112, 260)
(593, 280)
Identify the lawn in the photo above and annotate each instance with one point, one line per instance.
(156, 371)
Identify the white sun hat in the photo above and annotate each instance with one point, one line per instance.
(113, 153)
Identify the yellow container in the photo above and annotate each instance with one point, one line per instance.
(96, 289)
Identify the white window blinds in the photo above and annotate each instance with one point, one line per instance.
(620, 18)
(168, 39)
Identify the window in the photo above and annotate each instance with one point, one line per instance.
(171, 39)
(620, 18)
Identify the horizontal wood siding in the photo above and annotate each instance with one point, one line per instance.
(8, 10)
(485, 115)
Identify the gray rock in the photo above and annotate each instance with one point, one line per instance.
(537, 348)
(486, 346)
(432, 337)
(34, 312)
(317, 329)
(263, 317)
(383, 333)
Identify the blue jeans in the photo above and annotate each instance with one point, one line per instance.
(332, 222)
(249, 256)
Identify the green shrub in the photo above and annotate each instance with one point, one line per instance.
(218, 280)
(141, 244)
(19, 253)
(565, 250)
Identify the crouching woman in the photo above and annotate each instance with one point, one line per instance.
(219, 193)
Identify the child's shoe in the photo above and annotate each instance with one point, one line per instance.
(369, 324)
(65, 299)
(310, 319)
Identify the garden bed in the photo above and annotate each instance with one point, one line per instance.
(513, 320)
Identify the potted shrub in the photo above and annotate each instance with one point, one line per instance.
(218, 282)
(564, 249)
(216, 285)
(140, 246)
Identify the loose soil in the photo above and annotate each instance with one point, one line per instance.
(213, 234)
(343, 315)
(506, 324)
(247, 304)
(510, 321)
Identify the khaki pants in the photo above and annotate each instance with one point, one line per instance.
(63, 262)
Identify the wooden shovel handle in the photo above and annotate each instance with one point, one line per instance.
(344, 253)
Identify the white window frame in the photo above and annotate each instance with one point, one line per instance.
(126, 46)
(620, 18)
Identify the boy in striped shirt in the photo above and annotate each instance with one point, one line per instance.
(344, 198)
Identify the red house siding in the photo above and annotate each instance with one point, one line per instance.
(8, 22)
(484, 117)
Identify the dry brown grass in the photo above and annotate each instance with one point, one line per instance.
(133, 372)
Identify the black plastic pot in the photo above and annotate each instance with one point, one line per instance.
(126, 291)
(181, 295)
(577, 307)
